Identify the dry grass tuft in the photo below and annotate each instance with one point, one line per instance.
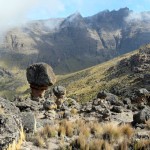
(124, 145)
(66, 128)
(85, 130)
(1, 110)
(96, 144)
(17, 144)
(49, 131)
(111, 132)
(96, 129)
(82, 141)
(127, 130)
(142, 145)
(39, 141)
(74, 111)
(148, 123)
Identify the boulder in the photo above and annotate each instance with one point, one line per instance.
(28, 122)
(142, 116)
(40, 74)
(49, 105)
(142, 92)
(59, 91)
(102, 95)
(117, 109)
(127, 101)
(10, 124)
(113, 100)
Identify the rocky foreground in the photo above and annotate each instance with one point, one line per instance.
(105, 122)
(116, 119)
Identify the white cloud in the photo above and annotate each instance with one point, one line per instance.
(138, 16)
(17, 12)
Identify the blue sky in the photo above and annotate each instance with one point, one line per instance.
(18, 12)
(63, 8)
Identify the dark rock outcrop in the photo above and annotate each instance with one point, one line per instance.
(40, 74)
(142, 116)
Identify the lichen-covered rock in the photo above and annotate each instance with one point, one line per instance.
(49, 105)
(59, 91)
(28, 122)
(10, 124)
(40, 74)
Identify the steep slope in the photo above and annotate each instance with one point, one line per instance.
(66, 43)
(12, 83)
(121, 76)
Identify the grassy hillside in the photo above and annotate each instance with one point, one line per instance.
(85, 84)
(118, 76)
(12, 81)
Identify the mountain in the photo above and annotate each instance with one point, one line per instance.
(122, 76)
(12, 83)
(76, 42)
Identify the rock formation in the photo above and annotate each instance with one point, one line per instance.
(40, 76)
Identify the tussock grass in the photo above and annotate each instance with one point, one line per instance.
(39, 141)
(112, 132)
(85, 130)
(74, 111)
(82, 141)
(148, 123)
(16, 145)
(1, 110)
(96, 129)
(127, 130)
(49, 131)
(143, 144)
(92, 136)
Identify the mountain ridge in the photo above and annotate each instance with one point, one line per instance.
(66, 43)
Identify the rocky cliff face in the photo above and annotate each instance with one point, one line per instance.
(75, 42)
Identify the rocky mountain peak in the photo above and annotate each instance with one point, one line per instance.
(109, 19)
(74, 20)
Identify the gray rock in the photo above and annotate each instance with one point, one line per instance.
(27, 105)
(113, 100)
(102, 95)
(59, 91)
(40, 74)
(73, 103)
(49, 104)
(28, 122)
(117, 109)
(127, 101)
(142, 92)
(10, 124)
(67, 114)
(142, 116)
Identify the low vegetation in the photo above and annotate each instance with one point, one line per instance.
(90, 136)
(85, 84)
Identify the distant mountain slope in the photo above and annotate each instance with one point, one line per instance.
(121, 76)
(12, 83)
(75, 43)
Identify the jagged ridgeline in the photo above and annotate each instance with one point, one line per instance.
(66, 43)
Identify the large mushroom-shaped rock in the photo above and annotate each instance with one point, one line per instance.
(40, 76)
